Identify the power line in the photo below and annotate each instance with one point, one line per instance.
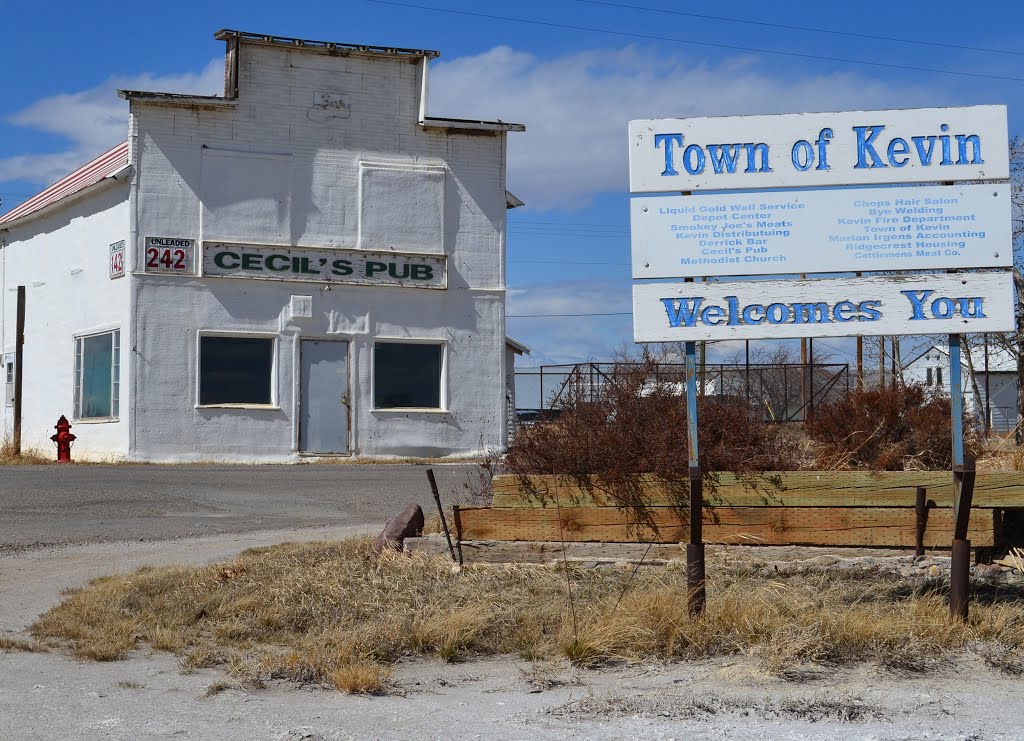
(570, 262)
(801, 28)
(563, 223)
(733, 47)
(548, 316)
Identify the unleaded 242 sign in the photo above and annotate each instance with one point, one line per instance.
(262, 262)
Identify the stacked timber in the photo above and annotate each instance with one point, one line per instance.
(835, 508)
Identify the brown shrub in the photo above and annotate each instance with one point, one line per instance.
(636, 430)
(886, 430)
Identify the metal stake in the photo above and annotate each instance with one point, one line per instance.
(440, 511)
(921, 510)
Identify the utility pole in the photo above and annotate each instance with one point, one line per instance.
(19, 365)
(881, 363)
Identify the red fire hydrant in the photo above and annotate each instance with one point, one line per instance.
(63, 439)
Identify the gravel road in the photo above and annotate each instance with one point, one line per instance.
(59, 505)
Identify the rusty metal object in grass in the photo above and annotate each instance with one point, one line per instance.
(959, 579)
(440, 511)
(921, 510)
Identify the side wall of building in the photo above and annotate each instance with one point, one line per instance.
(63, 260)
(318, 152)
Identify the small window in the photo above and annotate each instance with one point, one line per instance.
(236, 370)
(98, 376)
(407, 375)
(938, 376)
(928, 377)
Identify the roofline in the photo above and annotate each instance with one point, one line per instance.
(431, 122)
(78, 195)
(110, 163)
(322, 47)
(517, 346)
(195, 101)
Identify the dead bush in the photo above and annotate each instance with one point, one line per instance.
(636, 430)
(886, 430)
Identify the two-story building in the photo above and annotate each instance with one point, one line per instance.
(308, 264)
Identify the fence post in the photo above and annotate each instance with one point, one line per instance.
(921, 509)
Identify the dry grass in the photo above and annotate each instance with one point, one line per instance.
(28, 457)
(9, 643)
(333, 615)
(1003, 456)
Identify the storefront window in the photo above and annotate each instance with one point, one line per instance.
(97, 375)
(407, 375)
(235, 370)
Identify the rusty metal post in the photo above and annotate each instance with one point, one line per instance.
(19, 365)
(695, 583)
(440, 511)
(921, 509)
(959, 579)
(963, 492)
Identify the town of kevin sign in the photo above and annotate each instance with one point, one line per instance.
(808, 225)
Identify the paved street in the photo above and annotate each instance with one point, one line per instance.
(53, 505)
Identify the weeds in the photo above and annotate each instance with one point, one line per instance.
(330, 614)
(635, 430)
(886, 430)
(28, 456)
(8, 643)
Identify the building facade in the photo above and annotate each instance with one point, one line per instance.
(995, 378)
(306, 265)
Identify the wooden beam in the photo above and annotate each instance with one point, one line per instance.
(826, 526)
(786, 488)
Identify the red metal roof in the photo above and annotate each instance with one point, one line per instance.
(102, 167)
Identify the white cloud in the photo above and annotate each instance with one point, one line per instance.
(93, 120)
(570, 339)
(576, 107)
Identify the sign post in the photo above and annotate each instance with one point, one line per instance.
(963, 492)
(696, 593)
(876, 255)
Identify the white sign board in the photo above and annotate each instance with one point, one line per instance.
(823, 231)
(307, 264)
(169, 255)
(804, 150)
(117, 260)
(834, 307)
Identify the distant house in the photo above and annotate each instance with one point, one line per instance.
(931, 369)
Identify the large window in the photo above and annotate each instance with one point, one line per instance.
(97, 375)
(236, 370)
(407, 375)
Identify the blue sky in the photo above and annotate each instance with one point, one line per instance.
(574, 71)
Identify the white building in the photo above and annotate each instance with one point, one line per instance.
(997, 388)
(307, 265)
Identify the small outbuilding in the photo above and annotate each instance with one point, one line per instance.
(995, 376)
(306, 265)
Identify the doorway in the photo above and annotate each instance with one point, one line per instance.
(324, 404)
